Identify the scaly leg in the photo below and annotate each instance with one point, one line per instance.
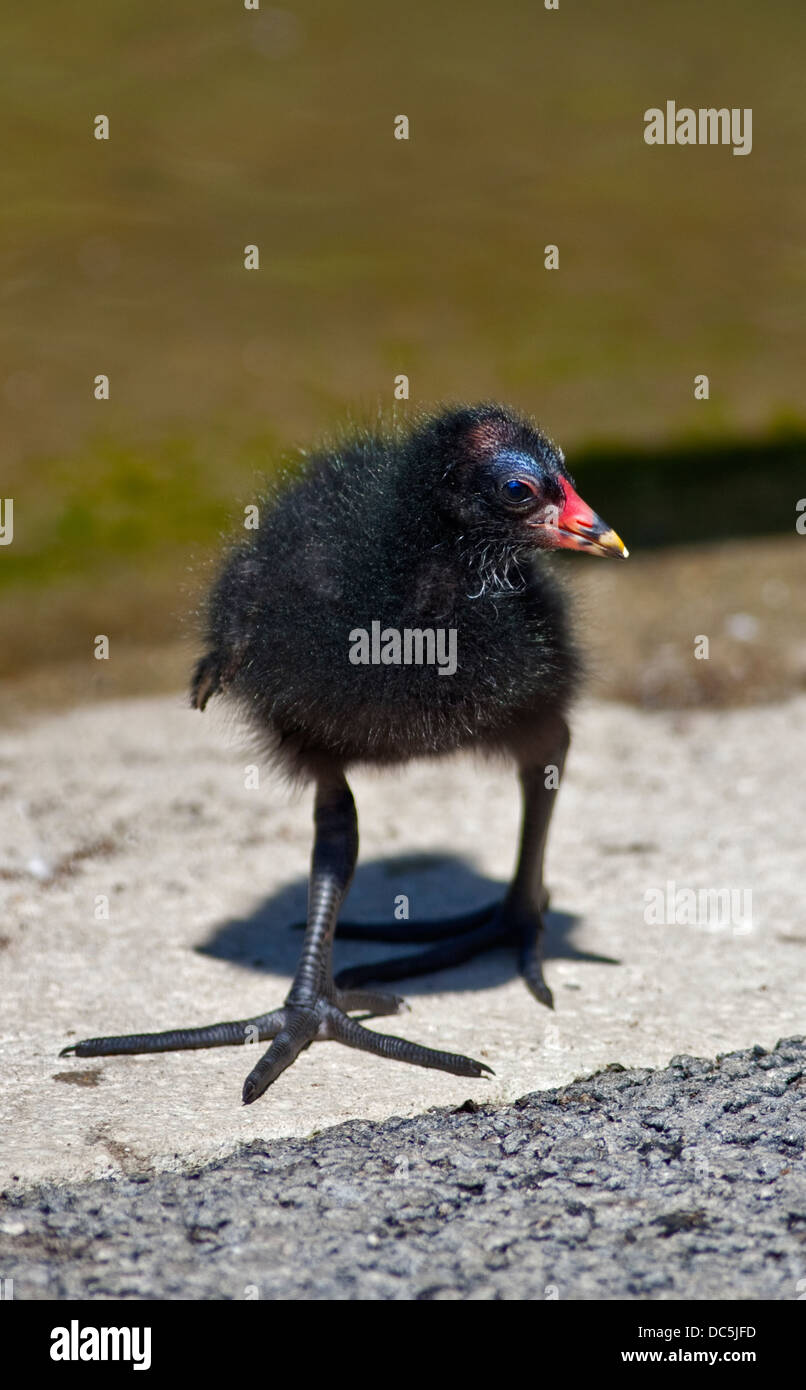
(517, 921)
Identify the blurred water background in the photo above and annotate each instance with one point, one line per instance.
(378, 257)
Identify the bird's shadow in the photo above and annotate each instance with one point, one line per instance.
(433, 885)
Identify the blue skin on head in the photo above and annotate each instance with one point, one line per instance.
(522, 478)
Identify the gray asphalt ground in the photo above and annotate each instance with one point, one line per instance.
(682, 1183)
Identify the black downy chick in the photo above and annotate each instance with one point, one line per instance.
(336, 628)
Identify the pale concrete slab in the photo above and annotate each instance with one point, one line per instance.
(143, 801)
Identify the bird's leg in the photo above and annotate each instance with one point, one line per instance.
(518, 920)
(315, 1008)
(527, 899)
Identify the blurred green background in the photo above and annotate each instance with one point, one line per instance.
(381, 257)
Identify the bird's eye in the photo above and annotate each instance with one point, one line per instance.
(516, 490)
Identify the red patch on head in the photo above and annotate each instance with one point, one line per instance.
(487, 436)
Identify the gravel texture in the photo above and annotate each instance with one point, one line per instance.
(683, 1183)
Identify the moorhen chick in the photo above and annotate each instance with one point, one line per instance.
(395, 602)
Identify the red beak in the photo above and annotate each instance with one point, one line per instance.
(573, 526)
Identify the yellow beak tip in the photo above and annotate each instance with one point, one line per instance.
(611, 544)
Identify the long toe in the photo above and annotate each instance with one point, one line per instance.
(237, 1031)
(301, 1027)
(352, 1034)
(531, 968)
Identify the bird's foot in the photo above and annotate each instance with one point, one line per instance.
(291, 1029)
(509, 923)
